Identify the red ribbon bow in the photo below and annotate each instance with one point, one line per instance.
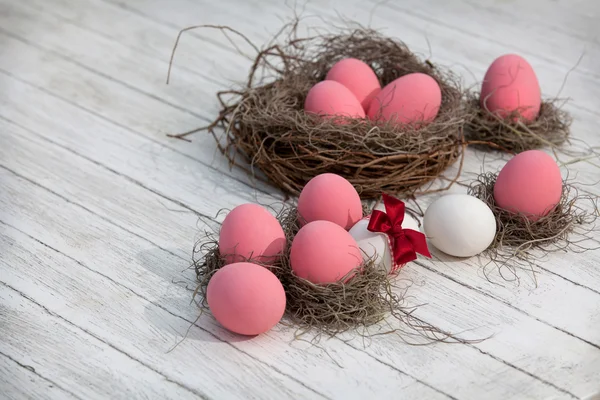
(406, 243)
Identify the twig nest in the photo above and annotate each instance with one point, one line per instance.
(509, 113)
(534, 209)
(266, 124)
(518, 235)
(366, 295)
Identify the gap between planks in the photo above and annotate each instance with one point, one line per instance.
(31, 370)
(184, 206)
(477, 349)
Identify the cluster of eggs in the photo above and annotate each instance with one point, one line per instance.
(530, 185)
(331, 244)
(247, 298)
(510, 87)
(352, 89)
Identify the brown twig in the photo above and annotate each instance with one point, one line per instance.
(519, 241)
(371, 297)
(511, 134)
(266, 125)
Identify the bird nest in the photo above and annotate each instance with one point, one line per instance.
(520, 242)
(511, 133)
(264, 122)
(367, 297)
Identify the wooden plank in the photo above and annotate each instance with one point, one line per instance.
(20, 382)
(574, 19)
(151, 164)
(140, 102)
(99, 190)
(207, 58)
(153, 33)
(58, 358)
(401, 357)
(516, 338)
(584, 277)
(448, 42)
(142, 73)
(157, 269)
(508, 372)
(109, 195)
(88, 53)
(514, 27)
(134, 326)
(146, 29)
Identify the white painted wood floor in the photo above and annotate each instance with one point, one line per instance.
(98, 211)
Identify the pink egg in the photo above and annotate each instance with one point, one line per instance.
(323, 252)
(510, 84)
(329, 197)
(332, 99)
(409, 99)
(246, 298)
(356, 76)
(530, 184)
(249, 232)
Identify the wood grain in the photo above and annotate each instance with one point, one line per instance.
(461, 322)
(166, 265)
(20, 382)
(87, 368)
(99, 210)
(145, 333)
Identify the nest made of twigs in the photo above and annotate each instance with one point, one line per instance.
(264, 122)
(511, 133)
(365, 300)
(517, 238)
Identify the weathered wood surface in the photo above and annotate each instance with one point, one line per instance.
(99, 210)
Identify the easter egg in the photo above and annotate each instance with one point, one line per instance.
(529, 184)
(459, 225)
(331, 99)
(410, 99)
(376, 246)
(357, 76)
(329, 197)
(323, 252)
(246, 298)
(249, 231)
(509, 85)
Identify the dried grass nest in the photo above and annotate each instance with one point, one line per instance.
(265, 124)
(512, 134)
(368, 299)
(519, 242)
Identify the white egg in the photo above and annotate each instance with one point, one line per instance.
(376, 246)
(373, 246)
(459, 225)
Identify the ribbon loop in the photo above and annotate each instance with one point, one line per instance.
(406, 243)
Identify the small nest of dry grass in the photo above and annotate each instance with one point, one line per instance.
(266, 125)
(365, 300)
(565, 228)
(550, 129)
